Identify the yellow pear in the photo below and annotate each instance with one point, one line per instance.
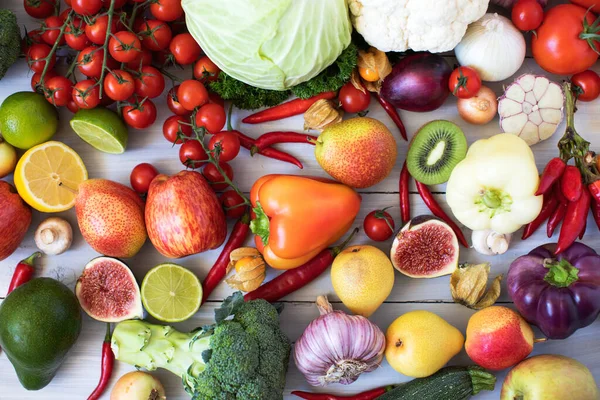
(419, 343)
(362, 277)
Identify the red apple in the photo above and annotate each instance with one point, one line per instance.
(183, 215)
(15, 217)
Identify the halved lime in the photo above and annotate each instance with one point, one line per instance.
(102, 129)
(171, 293)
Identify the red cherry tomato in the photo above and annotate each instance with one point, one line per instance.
(86, 94)
(149, 82)
(119, 85)
(35, 79)
(89, 61)
(75, 35)
(141, 176)
(39, 8)
(212, 117)
(527, 15)
(124, 46)
(184, 48)
(176, 126)
(65, 13)
(379, 225)
(166, 10)
(51, 30)
(216, 99)
(205, 70)
(156, 35)
(96, 30)
(174, 104)
(192, 94)
(352, 99)
(143, 58)
(72, 106)
(32, 37)
(118, 4)
(140, 115)
(228, 144)
(464, 82)
(58, 90)
(86, 7)
(587, 85)
(192, 154)
(36, 54)
(232, 204)
(214, 177)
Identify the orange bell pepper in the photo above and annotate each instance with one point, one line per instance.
(295, 217)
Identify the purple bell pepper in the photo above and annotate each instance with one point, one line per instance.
(557, 294)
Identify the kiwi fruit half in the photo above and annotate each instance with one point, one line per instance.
(435, 150)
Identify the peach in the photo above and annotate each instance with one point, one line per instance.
(498, 338)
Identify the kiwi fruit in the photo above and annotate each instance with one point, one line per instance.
(435, 150)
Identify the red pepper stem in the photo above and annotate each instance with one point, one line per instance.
(338, 249)
(31, 259)
(108, 333)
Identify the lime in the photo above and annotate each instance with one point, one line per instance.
(101, 128)
(27, 119)
(171, 293)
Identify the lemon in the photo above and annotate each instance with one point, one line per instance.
(102, 129)
(27, 119)
(171, 293)
(47, 176)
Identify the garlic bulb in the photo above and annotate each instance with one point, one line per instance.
(490, 243)
(493, 46)
(337, 347)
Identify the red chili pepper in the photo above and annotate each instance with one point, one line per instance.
(550, 204)
(106, 366)
(582, 234)
(293, 279)
(23, 272)
(596, 213)
(404, 195)
(553, 171)
(594, 189)
(287, 109)
(219, 269)
(393, 113)
(439, 212)
(571, 184)
(270, 138)
(247, 143)
(556, 217)
(574, 221)
(368, 395)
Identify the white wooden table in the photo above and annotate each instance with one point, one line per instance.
(79, 374)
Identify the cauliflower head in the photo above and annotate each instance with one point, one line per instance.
(420, 25)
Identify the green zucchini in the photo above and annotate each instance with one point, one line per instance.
(450, 383)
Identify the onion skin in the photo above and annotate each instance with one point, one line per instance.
(479, 109)
(419, 82)
(138, 385)
(337, 347)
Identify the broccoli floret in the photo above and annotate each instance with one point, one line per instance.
(10, 40)
(245, 96)
(239, 358)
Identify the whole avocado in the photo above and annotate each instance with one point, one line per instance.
(41, 321)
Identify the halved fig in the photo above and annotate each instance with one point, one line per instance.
(108, 292)
(426, 247)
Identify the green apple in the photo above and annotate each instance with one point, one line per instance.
(549, 377)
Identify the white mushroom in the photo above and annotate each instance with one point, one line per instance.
(54, 236)
(490, 243)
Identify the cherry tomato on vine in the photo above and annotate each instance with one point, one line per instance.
(229, 144)
(205, 70)
(192, 94)
(527, 15)
(141, 177)
(156, 35)
(36, 54)
(58, 90)
(149, 82)
(587, 85)
(86, 94)
(51, 30)
(232, 204)
(166, 10)
(214, 177)
(118, 4)
(72, 106)
(89, 62)
(35, 79)
(144, 58)
(216, 99)
(119, 85)
(184, 48)
(65, 13)
(174, 104)
(124, 46)
(192, 155)
(212, 117)
(75, 35)
(96, 30)
(39, 8)
(379, 225)
(352, 99)
(32, 37)
(176, 126)
(464, 82)
(86, 7)
(140, 115)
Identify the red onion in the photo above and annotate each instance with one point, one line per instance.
(337, 347)
(510, 3)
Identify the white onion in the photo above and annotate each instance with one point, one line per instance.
(337, 347)
(493, 46)
(479, 109)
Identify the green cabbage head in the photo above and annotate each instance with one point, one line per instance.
(270, 44)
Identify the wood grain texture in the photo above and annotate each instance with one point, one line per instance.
(79, 374)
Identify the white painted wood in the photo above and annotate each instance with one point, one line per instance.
(80, 373)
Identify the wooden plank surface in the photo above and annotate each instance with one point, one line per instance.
(79, 374)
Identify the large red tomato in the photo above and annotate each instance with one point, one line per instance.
(557, 47)
(588, 3)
